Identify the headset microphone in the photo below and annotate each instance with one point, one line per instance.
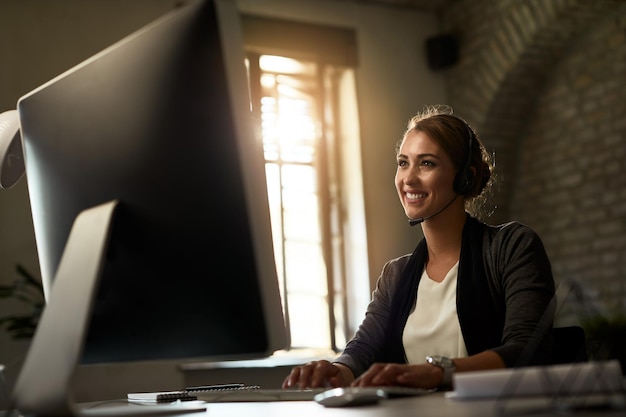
(414, 222)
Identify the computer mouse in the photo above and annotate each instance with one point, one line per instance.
(350, 396)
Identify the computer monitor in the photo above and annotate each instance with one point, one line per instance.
(159, 124)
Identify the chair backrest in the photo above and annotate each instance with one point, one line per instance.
(569, 345)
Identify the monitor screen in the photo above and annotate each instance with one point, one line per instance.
(160, 122)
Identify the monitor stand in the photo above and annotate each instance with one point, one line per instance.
(44, 385)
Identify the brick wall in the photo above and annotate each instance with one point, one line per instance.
(544, 83)
(571, 176)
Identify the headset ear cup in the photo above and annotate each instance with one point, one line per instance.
(463, 182)
(464, 179)
(459, 183)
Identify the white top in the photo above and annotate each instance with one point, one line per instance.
(433, 326)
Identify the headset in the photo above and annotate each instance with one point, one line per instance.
(464, 179)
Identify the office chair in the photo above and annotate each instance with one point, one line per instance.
(569, 345)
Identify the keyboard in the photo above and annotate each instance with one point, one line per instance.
(278, 394)
(259, 394)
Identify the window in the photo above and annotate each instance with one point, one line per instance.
(297, 99)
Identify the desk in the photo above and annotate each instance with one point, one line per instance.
(430, 405)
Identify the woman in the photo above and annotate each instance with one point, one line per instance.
(470, 297)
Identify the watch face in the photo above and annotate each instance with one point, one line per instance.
(440, 361)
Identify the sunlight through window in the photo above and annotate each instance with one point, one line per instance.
(289, 120)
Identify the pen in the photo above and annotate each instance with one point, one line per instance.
(213, 387)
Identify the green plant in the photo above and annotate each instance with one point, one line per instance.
(27, 290)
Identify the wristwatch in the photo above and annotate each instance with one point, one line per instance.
(448, 367)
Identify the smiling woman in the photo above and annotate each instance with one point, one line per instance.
(423, 170)
(443, 308)
(473, 165)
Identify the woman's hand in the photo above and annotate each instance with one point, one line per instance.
(420, 375)
(318, 374)
(425, 375)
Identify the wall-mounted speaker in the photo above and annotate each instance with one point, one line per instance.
(442, 51)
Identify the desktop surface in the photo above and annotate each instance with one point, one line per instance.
(431, 405)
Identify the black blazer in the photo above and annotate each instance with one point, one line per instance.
(505, 299)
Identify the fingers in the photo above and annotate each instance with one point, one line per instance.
(291, 379)
(325, 374)
(390, 374)
(377, 375)
(313, 375)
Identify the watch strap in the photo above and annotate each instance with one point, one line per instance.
(448, 367)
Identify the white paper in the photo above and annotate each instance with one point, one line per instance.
(565, 379)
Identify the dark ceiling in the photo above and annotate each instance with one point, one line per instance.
(423, 5)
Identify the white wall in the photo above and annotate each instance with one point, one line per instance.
(39, 39)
